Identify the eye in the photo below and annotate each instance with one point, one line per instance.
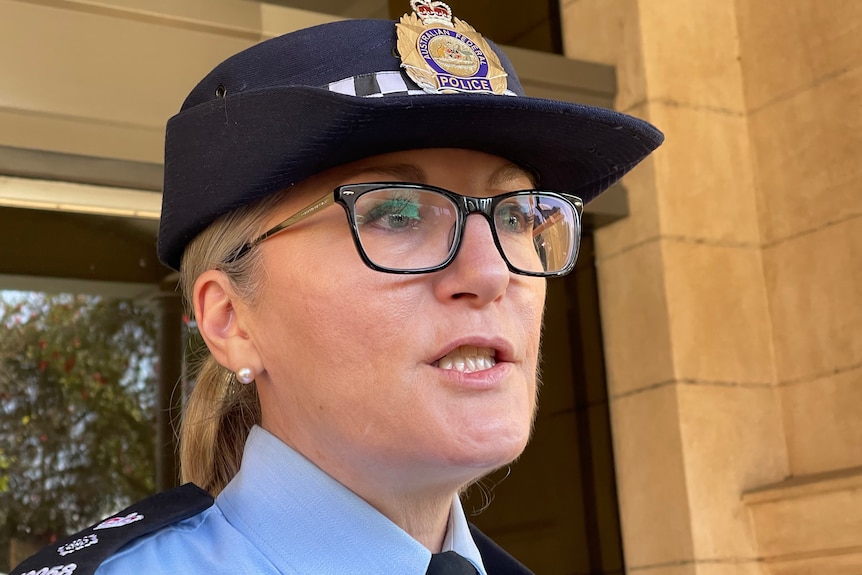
(392, 214)
(513, 218)
(394, 221)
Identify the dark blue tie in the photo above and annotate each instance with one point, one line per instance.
(450, 563)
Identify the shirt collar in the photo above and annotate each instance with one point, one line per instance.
(304, 521)
(459, 539)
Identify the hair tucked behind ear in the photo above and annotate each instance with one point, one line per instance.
(221, 411)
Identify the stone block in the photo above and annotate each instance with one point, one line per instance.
(806, 151)
(732, 440)
(806, 525)
(634, 312)
(834, 564)
(122, 64)
(718, 313)
(787, 46)
(68, 134)
(731, 567)
(112, 86)
(608, 31)
(691, 53)
(593, 30)
(225, 14)
(276, 20)
(703, 174)
(814, 283)
(650, 465)
(824, 430)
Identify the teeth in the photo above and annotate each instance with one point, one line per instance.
(468, 359)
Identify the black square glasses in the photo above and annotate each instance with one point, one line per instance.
(407, 228)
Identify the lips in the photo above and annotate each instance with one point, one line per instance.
(468, 359)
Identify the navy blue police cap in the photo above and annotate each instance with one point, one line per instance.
(293, 106)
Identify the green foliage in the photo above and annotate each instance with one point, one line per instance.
(77, 411)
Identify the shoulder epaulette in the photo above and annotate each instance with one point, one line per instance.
(83, 552)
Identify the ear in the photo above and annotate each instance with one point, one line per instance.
(221, 320)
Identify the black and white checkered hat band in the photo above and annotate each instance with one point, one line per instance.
(379, 84)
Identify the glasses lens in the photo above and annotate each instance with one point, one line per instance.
(406, 228)
(538, 232)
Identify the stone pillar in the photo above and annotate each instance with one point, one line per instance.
(803, 91)
(685, 310)
(803, 87)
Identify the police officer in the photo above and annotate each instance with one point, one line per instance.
(367, 359)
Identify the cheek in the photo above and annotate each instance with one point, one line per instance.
(365, 315)
(531, 309)
(338, 323)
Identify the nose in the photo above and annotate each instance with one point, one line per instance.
(478, 274)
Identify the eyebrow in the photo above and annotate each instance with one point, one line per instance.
(508, 172)
(402, 172)
(412, 173)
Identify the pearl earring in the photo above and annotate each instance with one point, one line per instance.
(245, 375)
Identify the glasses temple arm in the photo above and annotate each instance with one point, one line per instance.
(306, 212)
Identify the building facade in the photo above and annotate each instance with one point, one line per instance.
(729, 297)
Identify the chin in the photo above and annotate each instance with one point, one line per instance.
(489, 451)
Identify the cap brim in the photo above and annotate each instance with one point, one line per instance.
(259, 142)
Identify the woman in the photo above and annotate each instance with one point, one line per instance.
(368, 360)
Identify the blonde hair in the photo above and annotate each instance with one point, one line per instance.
(220, 411)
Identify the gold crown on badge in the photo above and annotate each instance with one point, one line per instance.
(445, 55)
(432, 12)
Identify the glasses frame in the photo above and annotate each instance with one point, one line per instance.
(347, 195)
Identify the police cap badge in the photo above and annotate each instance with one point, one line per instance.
(445, 55)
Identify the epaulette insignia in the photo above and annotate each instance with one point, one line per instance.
(82, 553)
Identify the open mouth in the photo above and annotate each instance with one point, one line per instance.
(468, 359)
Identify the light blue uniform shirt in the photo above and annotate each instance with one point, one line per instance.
(283, 514)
